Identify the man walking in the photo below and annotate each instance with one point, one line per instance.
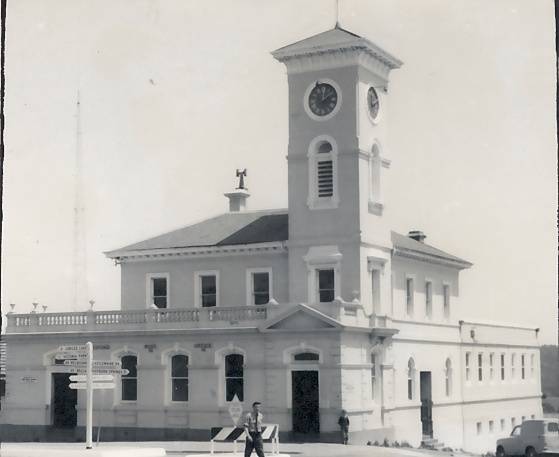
(253, 431)
(343, 422)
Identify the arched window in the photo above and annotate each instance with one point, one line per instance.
(324, 170)
(234, 377)
(448, 377)
(411, 379)
(179, 377)
(374, 174)
(129, 391)
(322, 173)
(306, 357)
(373, 375)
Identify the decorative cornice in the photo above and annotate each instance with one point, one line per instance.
(497, 325)
(430, 258)
(276, 247)
(359, 47)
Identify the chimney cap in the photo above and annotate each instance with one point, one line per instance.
(417, 235)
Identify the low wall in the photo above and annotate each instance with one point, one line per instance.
(49, 434)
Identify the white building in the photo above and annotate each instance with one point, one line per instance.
(309, 310)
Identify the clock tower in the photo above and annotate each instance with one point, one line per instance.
(337, 158)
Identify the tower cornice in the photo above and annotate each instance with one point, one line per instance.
(336, 48)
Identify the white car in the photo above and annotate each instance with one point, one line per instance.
(532, 438)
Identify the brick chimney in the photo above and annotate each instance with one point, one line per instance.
(417, 235)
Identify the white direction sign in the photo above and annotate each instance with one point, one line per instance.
(83, 370)
(70, 356)
(124, 371)
(96, 377)
(74, 348)
(96, 363)
(95, 385)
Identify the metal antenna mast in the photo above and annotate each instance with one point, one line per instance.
(337, 14)
(79, 248)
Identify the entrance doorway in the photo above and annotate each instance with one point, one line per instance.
(64, 401)
(426, 404)
(304, 389)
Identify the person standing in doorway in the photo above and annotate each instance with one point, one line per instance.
(253, 431)
(343, 422)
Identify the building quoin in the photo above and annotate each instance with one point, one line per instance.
(311, 310)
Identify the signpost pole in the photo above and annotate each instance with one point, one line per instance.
(89, 403)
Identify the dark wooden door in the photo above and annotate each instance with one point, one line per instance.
(64, 400)
(426, 403)
(304, 388)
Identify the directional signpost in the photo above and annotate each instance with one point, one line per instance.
(88, 375)
(97, 385)
(96, 377)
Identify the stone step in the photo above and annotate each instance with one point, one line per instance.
(432, 442)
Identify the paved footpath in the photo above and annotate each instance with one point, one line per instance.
(185, 448)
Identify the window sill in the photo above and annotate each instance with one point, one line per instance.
(176, 405)
(376, 207)
(126, 405)
(323, 203)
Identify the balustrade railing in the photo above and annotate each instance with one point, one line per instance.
(148, 318)
(178, 318)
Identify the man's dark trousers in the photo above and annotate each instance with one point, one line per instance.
(255, 444)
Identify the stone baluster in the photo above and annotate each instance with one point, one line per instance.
(12, 321)
(152, 315)
(91, 315)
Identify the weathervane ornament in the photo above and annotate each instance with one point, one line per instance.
(241, 174)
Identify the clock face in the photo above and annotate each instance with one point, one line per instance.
(323, 99)
(373, 102)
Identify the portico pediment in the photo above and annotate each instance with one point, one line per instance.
(300, 318)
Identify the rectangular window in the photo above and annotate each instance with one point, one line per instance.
(234, 377)
(325, 285)
(375, 286)
(409, 296)
(260, 288)
(533, 416)
(179, 378)
(446, 300)
(129, 381)
(157, 290)
(492, 366)
(480, 367)
(468, 355)
(373, 376)
(513, 422)
(523, 366)
(208, 290)
(532, 365)
(512, 367)
(478, 427)
(523, 418)
(428, 298)
(502, 424)
(502, 367)
(325, 170)
(491, 426)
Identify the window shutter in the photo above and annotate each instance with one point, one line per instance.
(325, 178)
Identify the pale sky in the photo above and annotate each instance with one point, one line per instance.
(178, 94)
